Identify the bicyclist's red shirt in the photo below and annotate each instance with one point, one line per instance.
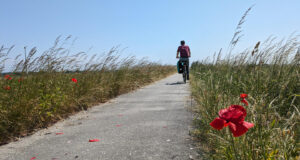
(184, 51)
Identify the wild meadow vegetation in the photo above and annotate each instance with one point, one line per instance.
(44, 88)
(270, 75)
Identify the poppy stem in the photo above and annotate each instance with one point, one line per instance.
(233, 146)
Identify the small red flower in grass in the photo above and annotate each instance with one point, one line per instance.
(7, 88)
(243, 96)
(94, 140)
(74, 80)
(20, 79)
(7, 77)
(234, 117)
(32, 158)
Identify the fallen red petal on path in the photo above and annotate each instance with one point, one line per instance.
(94, 140)
(59, 133)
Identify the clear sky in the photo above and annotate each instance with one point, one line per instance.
(149, 28)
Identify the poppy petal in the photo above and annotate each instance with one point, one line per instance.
(248, 124)
(232, 127)
(218, 123)
(94, 140)
(223, 113)
(236, 114)
(237, 129)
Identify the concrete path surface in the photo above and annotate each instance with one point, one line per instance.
(151, 123)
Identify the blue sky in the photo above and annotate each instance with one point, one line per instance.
(149, 28)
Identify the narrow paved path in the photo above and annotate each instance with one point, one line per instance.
(151, 123)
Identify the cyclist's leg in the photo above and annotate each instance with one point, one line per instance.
(188, 69)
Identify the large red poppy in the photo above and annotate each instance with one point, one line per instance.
(234, 117)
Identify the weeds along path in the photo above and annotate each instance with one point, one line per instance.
(150, 123)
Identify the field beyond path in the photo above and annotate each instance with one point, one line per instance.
(150, 123)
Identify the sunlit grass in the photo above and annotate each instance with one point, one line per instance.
(45, 88)
(270, 77)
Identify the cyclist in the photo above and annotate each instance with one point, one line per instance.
(185, 53)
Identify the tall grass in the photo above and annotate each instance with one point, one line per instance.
(269, 74)
(271, 78)
(40, 89)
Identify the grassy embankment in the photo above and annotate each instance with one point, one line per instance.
(270, 75)
(47, 93)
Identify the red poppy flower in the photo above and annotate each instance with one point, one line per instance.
(7, 77)
(243, 96)
(20, 79)
(32, 158)
(74, 80)
(94, 140)
(7, 88)
(234, 117)
(245, 102)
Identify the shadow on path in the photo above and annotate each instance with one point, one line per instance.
(175, 83)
